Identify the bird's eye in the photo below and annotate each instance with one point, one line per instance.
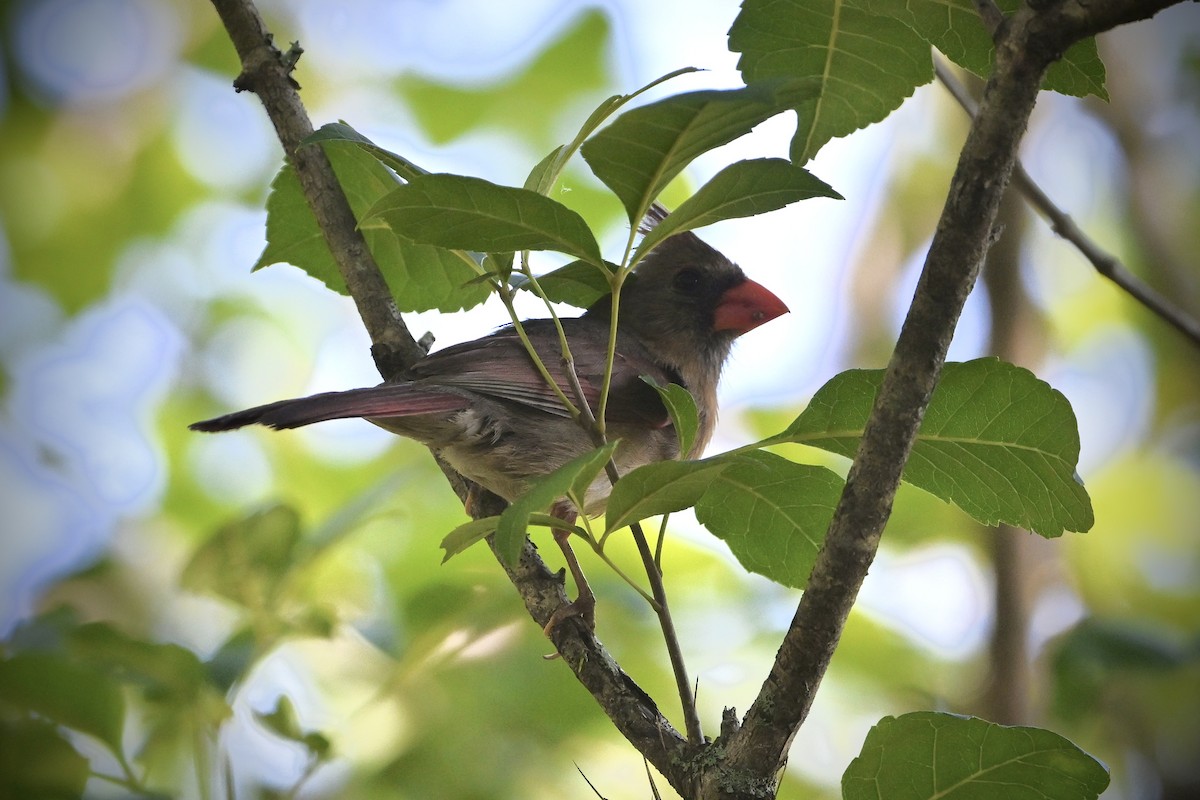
(687, 279)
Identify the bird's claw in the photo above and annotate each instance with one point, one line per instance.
(583, 607)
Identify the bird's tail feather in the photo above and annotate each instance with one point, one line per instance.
(386, 400)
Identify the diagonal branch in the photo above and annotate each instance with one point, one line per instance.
(1027, 44)
(1061, 222)
(267, 73)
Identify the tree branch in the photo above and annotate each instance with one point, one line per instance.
(1061, 223)
(1028, 43)
(267, 73)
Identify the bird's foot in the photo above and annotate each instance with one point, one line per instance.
(583, 607)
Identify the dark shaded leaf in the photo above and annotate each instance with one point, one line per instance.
(66, 692)
(578, 284)
(37, 762)
(169, 672)
(684, 415)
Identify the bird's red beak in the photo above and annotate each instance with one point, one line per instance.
(746, 306)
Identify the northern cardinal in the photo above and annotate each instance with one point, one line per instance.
(488, 412)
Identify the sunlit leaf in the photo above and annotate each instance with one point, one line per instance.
(511, 530)
(926, 755)
(645, 148)
(466, 213)
(742, 189)
(659, 488)
(864, 64)
(996, 441)
(773, 513)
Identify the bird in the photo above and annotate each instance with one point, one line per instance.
(489, 413)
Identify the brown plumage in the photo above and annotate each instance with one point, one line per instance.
(486, 410)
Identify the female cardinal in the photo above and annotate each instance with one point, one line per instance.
(487, 411)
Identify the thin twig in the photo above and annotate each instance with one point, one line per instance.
(1108, 265)
(658, 589)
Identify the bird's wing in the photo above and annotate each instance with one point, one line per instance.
(498, 366)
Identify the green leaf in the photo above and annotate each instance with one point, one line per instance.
(659, 488)
(466, 213)
(245, 561)
(477, 530)
(1103, 646)
(955, 28)
(282, 719)
(421, 277)
(645, 148)
(169, 672)
(546, 173)
(579, 471)
(773, 513)
(684, 414)
(466, 535)
(927, 755)
(1079, 72)
(742, 189)
(233, 660)
(864, 64)
(342, 132)
(579, 283)
(67, 693)
(37, 762)
(996, 441)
